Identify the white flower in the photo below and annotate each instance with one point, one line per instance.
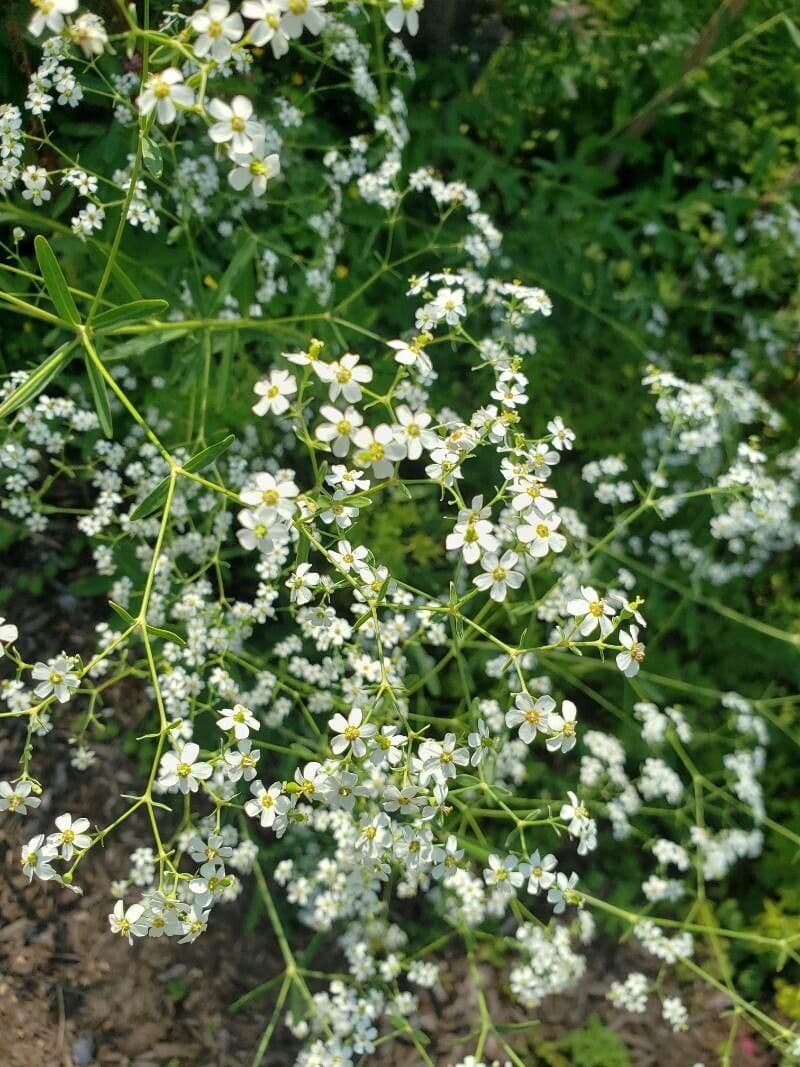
(55, 677)
(575, 814)
(18, 798)
(351, 733)
(412, 353)
(347, 557)
(254, 168)
(301, 581)
(378, 449)
(386, 747)
(473, 536)
(503, 872)
(562, 435)
(267, 804)
(559, 894)
(260, 529)
(267, 29)
(235, 125)
(540, 533)
(531, 492)
(412, 431)
(345, 376)
(499, 576)
(541, 872)
(239, 719)
(448, 304)
(593, 610)
(242, 762)
(183, 770)
(50, 14)
(340, 429)
(303, 14)
(8, 634)
(274, 391)
(630, 659)
(217, 29)
(531, 716)
(71, 835)
(89, 34)
(36, 856)
(278, 496)
(441, 758)
(130, 923)
(404, 12)
(162, 91)
(563, 727)
(446, 860)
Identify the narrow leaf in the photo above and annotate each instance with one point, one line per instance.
(151, 157)
(205, 458)
(54, 281)
(241, 260)
(166, 635)
(40, 378)
(123, 614)
(100, 397)
(152, 502)
(126, 313)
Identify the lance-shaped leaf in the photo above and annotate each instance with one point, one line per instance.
(123, 614)
(165, 635)
(127, 313)
(153, 501)
(156, 497)
(54, 281)
(100, 396)
(205, 458)
(151, 157)
(40, 378)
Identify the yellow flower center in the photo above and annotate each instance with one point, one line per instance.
(270, 497)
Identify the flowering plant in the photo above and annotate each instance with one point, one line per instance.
(231, 410)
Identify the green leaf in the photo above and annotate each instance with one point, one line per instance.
(140, 344)
(55, 282)
(153, 501)
(166, 635)
(40, 378)
(123, 614)
(126, 313)
(100, 396)
(794, 32)
(237, 265)
(205, 458)
(124, 282)
(151, 157)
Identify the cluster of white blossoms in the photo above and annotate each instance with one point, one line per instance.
(632, 996)
(305, 694)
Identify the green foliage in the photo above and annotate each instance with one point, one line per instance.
(594, 1045)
